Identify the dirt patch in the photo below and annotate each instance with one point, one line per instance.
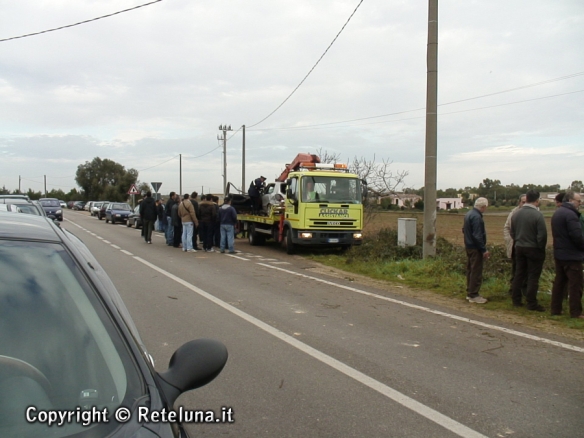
(518, 321)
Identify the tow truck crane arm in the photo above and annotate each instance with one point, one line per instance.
(300, 158)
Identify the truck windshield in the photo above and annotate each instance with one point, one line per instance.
(334, 189)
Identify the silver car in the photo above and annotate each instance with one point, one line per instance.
(273, 195)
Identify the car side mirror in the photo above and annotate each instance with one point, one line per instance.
(192, 365)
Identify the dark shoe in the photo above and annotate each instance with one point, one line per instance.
(231, 252)
(538, 308)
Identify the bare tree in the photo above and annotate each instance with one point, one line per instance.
(328, 157)
(381, 179)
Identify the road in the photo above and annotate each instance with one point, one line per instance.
(321, 356)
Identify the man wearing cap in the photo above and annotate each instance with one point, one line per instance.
(254, 193)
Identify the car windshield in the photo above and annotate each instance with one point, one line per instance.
(50, 203)
(332, 189)
(59, 349)
(120, 207)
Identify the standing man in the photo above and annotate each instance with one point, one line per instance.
(509, 244)
(228, 219)
(254, 192)
(207, 221)
(186, 212)
(168, 217)
(475, 242)
(568, 255)
(148, 214)
(198, 214)
(529, 233)
(161, 218)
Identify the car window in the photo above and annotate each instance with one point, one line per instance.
(120, 207)
(58, 346)
(29, 209)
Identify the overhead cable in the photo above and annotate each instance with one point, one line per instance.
(313, 67)
(81, 22)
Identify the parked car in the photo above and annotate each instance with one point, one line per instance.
(117, 212)
(134, 218)
(95, 207)
(69, 344)
(274, 193)
(15, 197)
(88, 205)
(10, 208)
(52, 207)
(63, 203)
(70, 204)
(101, 212)
(78, 205)
(27, 207)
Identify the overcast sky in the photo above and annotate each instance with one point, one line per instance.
(144, 86)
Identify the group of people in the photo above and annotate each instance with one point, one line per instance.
(526, 239)
(186, 221)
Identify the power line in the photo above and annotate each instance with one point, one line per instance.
(81, 22)
(159, 164)
(313, 67)
(423, 108)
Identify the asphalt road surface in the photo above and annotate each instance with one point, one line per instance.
(312, 355)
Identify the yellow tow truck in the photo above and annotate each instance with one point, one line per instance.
(323, 207)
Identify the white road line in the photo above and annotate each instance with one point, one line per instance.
(436, 312)
(106, 241)
(408, 402)
(115, 246)
(237, 257)
(127, 252)
(280, 263)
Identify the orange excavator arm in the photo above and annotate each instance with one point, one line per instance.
(294, 165)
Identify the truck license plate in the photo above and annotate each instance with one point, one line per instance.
(333, 241)
(333, 223)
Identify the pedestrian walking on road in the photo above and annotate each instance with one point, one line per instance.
(228, 219)
(475, 242)
(529, 233)
(568, 255)
(148, 214)
(207, 221)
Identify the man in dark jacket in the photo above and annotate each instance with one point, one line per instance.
(254, 193)
(228, 219)
(529, 235)
(568, 255)
(168, 217)
(207, 221)
(198, 214)
(475, 241)
(148, 214)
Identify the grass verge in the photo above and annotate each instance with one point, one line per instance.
(380, 258)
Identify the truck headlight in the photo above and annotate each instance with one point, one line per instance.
(357, 235)
(306, 235)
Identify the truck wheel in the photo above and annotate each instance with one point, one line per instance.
(288, 244)
(255, 238)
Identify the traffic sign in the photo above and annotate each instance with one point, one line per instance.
(156, 186)
(133, 190)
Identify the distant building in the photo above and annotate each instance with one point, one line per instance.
(449, 203)
(405, 200)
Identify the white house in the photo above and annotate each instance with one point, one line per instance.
(449, 203)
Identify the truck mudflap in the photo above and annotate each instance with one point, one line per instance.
(332, 237)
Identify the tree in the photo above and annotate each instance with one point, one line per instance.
(577, 186)
(105, 179)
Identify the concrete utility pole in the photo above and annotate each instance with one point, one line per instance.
(243, 162)
(429, 245)
(45, 186)
(224, 128)
(180, 175)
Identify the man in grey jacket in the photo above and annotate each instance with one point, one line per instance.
(530, 239)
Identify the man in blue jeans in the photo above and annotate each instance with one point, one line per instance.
(228, 219)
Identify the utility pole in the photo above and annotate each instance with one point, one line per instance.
(19, 184)
(180, 175)
(224, 128)
(45, 186)
(243, 162)
(429, 244)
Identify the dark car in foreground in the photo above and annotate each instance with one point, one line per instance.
(68, 344)
(117, 212)
(134, 218)
(53, 208)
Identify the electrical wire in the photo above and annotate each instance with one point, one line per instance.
(159, 164)
(81, 22)
(313, 67)
(423, 108)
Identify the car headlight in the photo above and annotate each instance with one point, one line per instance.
(306, 235)
(59, 212)
(357, 235)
